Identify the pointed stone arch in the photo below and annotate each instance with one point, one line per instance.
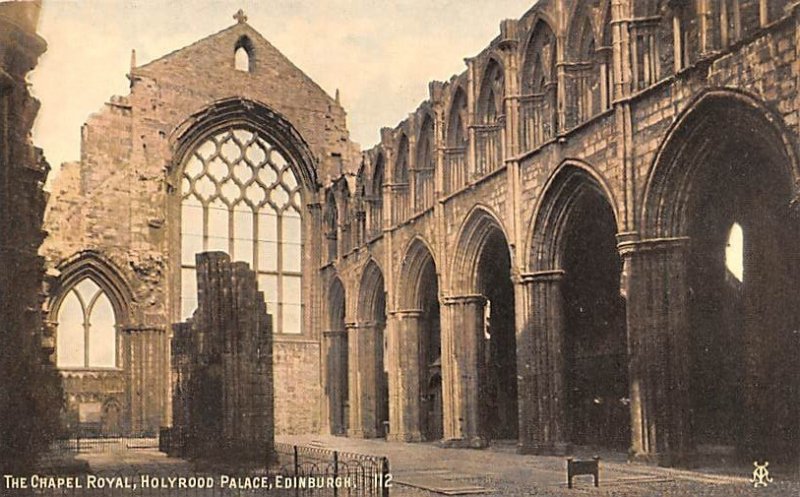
(480, 329)
(473, 235)
(699, 334)
(539, 84)
(92, 264)
(573, 350)
(570, 181)
(246, 113)
(492, 92)
(371, 292)
(415, 348)
(336, 359)
(369, 401)
(687, 143)
(418, 257)
(457, 118)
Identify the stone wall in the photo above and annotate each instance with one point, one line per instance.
(617, 120)
(121, 201)
(222, 365)
(29, 388)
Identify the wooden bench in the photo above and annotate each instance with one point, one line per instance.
(583, 467)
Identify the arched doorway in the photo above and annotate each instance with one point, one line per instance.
(430, 357)
(372, 373)
(336, 360)
(415, 347)
(595, 354)
(500, 354)
(578, 306)
(731, 196)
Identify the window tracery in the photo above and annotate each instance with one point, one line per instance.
(87, 328)
(241, 196)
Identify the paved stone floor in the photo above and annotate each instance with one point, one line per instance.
(497, 471)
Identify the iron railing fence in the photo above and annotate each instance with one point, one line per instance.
(342, 474)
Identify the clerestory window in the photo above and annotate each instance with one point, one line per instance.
(241, 196)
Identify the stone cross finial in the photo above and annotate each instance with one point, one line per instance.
(240, 17)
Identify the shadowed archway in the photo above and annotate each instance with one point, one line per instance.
(417, 345)
(337, 391)
(482, 267)
(368, 347)
(578, 317)
(723, 187)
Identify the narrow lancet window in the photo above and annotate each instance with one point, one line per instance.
(734, 252)
(242, 60)
(243, 55)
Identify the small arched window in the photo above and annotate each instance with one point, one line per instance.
(492, 94)
(243, 54)
(331, 225)
(401, 163)
(457, 124)
(734, 252)
(87, 328)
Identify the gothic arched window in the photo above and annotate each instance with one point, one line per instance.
(243, 55)
(241, 196)
(87, 328)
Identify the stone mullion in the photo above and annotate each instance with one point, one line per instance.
(541, 362)
(404, 375)
(464, 371)
(657, 292)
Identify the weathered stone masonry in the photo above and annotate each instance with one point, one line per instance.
(119, 208)
(620, 135)
(29, 388)
(222, 364)
(539, 252)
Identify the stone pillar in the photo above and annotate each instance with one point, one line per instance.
(464, 371)
(404, 375)
(540, 364)
(335, 347)
(364, 378)
(655, 286)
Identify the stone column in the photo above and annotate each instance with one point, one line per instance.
(655, 286)
(335, 343)
(540, 364)
(464, 371)
(404, 375)
(364, 378)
